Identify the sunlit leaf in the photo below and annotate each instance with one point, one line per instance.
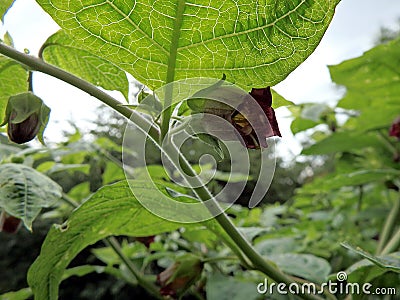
(256, 44)
(64, 52)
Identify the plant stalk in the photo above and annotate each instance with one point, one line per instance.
(393, 243)
(258, 262)
(388, 227)
(167, 112)
(147, 285)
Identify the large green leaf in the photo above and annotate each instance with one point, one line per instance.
(373, 85)
(13, 80)
(255, 43)
(24, 192)
(64, 52)
(112, 210)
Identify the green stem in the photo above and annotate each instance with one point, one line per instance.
(393, 243)
(388, 227)
(39, 65)
(147, 285)
(113, 243)
(167, 112)
(258, 262)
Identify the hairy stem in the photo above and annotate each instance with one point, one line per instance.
(257, 261)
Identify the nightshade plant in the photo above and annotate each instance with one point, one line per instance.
(165, 45)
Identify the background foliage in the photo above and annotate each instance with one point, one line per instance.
(345, 189)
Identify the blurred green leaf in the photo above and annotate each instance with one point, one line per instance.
(360, 177)
(22, 294)
(300, 124)
(340, 142)
(230, 288)
(373, 85)
(306, 266)
(388, 262)
(365, 270)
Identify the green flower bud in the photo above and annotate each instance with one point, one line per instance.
(26, 116)
(25, 131)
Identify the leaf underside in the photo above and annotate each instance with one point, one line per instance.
(256, 44)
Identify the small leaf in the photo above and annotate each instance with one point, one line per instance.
(24, 192)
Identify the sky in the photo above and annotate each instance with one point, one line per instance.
(352, 31)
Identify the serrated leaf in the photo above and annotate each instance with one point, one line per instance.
(24, 192)
(256, 44)
(64, 52)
